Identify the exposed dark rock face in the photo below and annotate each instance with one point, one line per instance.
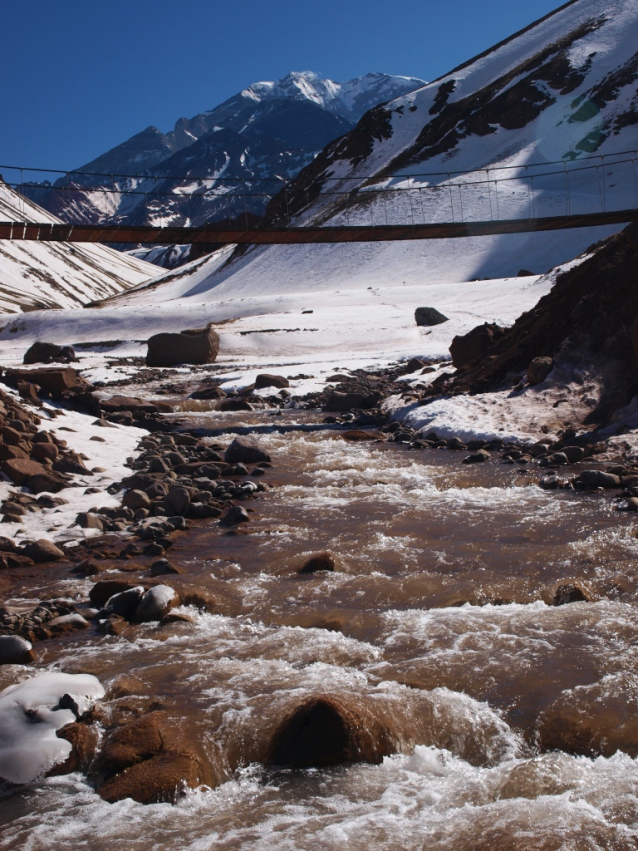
(590, 314)
(511, 102)
(192, 346)
(467, 348)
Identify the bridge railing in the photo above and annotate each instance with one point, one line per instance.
(589, 184)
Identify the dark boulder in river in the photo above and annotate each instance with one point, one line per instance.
(327, 730)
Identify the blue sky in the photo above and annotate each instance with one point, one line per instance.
(81, 76)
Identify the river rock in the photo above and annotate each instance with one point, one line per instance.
(42, 551)
(47, 482)
(234, 405)
(178, 499)
(104, 589)
(160, 779)
(237, 514)
(539, 369)
(573, 453)
(117, 404)
(266, 380)
(427, 316)
(125, 603)
(15, 650)
(135, 499)
(156, 603)
(83, 740)
(146, 761)
(598, 479)
(192, 346)
(477, 457)
(41, 352)
(54, 380)
(208, 393)
(592, 720)
(44, 452)
(326, 730)
(339, 401)
(88, 520)
(201, 511)
(20, 470)
(414, 365)
(318, 562)
(572, 592)
(161, 567)
(245, 450)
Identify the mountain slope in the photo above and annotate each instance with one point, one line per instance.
(37, 275)
(269, 130)
(562, 90)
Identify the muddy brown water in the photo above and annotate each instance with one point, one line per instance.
(511, 721)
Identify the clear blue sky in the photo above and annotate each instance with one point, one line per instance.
(80, 76)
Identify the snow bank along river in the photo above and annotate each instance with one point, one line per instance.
(500, 721)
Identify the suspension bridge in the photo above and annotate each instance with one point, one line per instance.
(584, 192)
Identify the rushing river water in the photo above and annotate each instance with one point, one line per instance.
(435, 626)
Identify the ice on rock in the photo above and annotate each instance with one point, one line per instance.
(29, 720)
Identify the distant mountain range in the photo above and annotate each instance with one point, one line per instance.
(267, 132)
(541, 108)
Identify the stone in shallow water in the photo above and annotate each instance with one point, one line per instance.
(318, 562)
(156, 603)
(325, 730)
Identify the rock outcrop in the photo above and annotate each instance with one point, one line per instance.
(590, 317)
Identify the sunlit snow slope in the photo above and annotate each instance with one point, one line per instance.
(47, 274)
(562, 90)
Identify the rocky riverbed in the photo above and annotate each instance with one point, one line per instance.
(280, 598)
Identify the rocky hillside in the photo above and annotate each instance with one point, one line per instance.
(36, 275)
(585, 330)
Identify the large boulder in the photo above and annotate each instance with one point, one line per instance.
(157, 602)
(429, 316)
(20, 470)
(199, 345)
(245, 450)
(149, 761)
(41, 352)
(42, 551)
(328, 730)
(53, 380)
(467, 348)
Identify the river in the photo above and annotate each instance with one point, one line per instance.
(500, 722)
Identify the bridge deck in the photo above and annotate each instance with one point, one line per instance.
(210, 235)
